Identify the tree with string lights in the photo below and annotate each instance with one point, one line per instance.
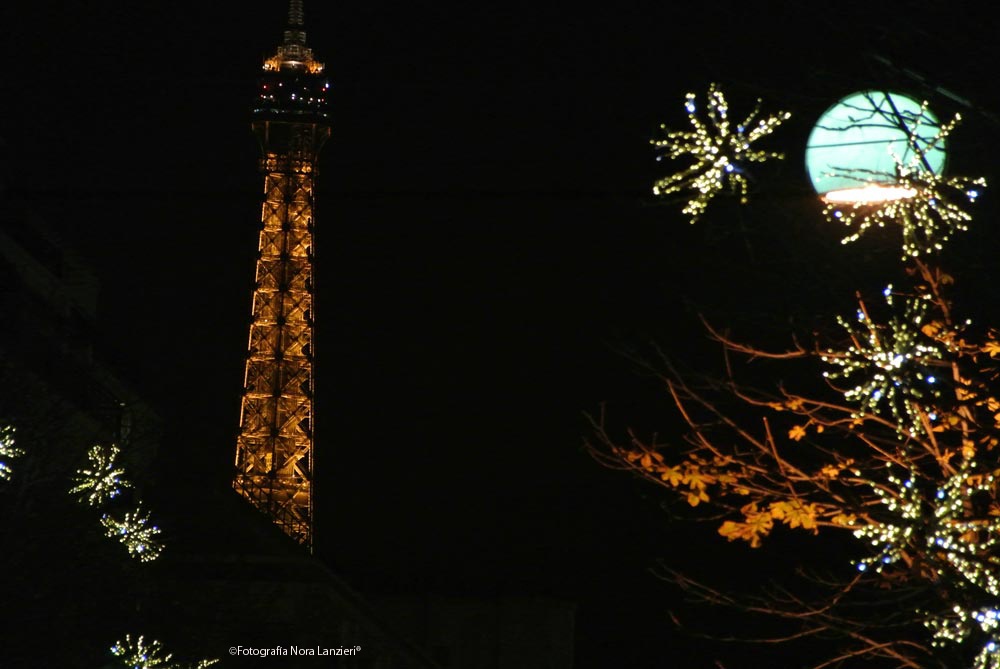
(895, 444)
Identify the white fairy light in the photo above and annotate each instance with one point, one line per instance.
(890, 364)
(718, 150)
(924, 204)
(102, 480)
(8, 451)
(136, 533)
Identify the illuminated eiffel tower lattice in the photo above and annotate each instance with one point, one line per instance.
(274, 450)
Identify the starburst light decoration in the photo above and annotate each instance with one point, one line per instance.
(139, 654)
(718, 148)
(8, 451)
(102, 480)
(891, 365)
(926, 205)
(136, 533)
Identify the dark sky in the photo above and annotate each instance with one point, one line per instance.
(486, 243)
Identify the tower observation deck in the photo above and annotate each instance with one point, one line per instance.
(274, 449)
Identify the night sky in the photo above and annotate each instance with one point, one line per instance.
(488, 250)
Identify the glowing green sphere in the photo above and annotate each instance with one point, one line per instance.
(859, 141)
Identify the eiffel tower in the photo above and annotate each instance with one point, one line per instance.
(274, 449)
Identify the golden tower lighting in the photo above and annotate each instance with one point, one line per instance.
(274, 449)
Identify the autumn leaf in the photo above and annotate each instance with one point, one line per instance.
(647, 460)
(726, 479)
(968, 449)
(992, 347)
(831, 471)
(695, 497)
(757, 525)
(672, 475)
(697, 479)
(932, 329)
(797, 432)
(795, 514)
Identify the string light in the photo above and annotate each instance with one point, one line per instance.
(959, 546)
(139, 654)
(136, 533)
(890, 364)
(718, 150)
(102, 480)
(8, 451)
(926, 205)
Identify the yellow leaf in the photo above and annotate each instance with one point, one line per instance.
(696, 478)
(647, 459)
(795, 514)
(968, 449)
(672, 475)
(931, 329)
(757, 524)
(726, 479)
(796, 433)
(696, 496)
(830, 471)
(992, 347)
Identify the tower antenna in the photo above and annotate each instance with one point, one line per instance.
(296, 17)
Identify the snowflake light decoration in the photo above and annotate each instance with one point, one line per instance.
(141, 655)
(927, 210)
(102, 480)
(8, 451)
(136, 533)
(892, 364)
(718, 150)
